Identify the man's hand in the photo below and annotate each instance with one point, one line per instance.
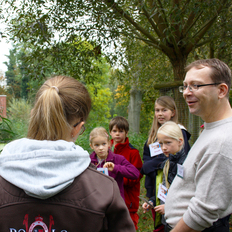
(182, 227)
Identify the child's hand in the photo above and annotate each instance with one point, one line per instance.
(160, 209)
(146, 207)
(109, 165)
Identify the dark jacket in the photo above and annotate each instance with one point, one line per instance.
(149, 168)
(152, 164)
(178, 158)
(91, 203)
(122, 168)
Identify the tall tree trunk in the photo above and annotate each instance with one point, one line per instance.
(179, 74)
(134, 109)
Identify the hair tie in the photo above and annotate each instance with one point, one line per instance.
(54, 87)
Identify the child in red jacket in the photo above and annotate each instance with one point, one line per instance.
(119, 128)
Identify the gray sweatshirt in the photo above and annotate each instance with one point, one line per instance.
(204, 194)
(42, 168)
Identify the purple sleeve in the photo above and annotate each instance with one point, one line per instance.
(125, 168)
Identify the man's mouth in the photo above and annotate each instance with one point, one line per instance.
(191, 102)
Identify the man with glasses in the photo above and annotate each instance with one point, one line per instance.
(200, 197)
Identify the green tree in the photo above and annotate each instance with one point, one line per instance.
(175, 28)
(71, 59)
(17, 80)
(11, 74)
(142, 68)
(101, 94)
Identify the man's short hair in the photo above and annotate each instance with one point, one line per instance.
(120, 122)
(220, 72)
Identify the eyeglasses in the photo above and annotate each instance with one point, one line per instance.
(193, 88)
(82, 130)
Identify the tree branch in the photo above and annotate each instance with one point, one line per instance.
(120, 11)
(191, 22)
(160, 22)
(159, 34)
(201, 32)
(165, 85)
(198, 36)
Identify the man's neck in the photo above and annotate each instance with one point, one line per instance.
(221, 112)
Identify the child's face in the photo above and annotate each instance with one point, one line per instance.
(169, 145)
(119, 136)
(100, 145)
(163, 114)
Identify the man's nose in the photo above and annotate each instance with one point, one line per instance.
(187, 92)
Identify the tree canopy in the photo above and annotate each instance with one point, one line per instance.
(180, 30)
(173, 27)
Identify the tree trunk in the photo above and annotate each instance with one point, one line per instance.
(179, 74)
(134, 109)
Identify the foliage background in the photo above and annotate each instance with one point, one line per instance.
(151, 43)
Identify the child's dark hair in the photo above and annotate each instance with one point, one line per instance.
(120, 122)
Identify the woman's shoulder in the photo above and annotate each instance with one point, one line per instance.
(92, 174)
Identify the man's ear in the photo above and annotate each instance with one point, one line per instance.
(222, 90)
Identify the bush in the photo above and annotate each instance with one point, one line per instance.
(6, 132)
(19, 113)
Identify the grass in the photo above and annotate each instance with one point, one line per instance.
(146, 222)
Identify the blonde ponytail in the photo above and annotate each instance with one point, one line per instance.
(60, 102)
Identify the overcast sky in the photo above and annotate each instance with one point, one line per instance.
(4, 48)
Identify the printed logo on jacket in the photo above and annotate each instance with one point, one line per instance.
(37, 226)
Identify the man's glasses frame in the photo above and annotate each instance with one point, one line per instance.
(194, 87)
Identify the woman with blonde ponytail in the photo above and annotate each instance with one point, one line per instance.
(47, 181)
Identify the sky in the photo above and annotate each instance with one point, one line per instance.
(4, 48)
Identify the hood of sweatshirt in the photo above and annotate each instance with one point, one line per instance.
(42, 168)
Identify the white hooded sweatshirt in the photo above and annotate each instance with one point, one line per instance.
(42, 168)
